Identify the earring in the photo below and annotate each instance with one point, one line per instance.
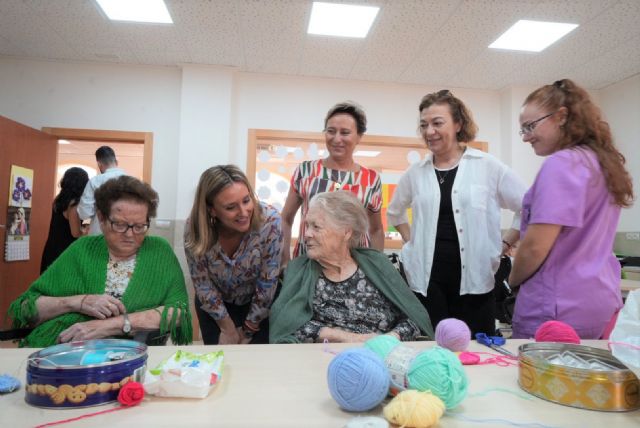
(212, 220)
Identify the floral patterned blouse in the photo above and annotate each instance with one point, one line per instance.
(118, 276)
(248, 276)
(357, 306)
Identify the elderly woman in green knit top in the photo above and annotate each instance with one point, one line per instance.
(114, 284)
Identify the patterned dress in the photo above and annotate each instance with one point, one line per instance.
(357, 306)
(248, 276)
(312, 177)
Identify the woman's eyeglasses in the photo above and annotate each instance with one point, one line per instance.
(122, 227)
(529, 127)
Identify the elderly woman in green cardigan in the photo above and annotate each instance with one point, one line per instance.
(110, 285)
(340, 293)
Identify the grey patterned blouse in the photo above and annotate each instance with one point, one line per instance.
(357, 306)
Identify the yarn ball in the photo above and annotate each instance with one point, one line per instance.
(382, 344)
(358, 379)
(8, 383)
(437, 369)
(413, 408)
(556, 331)
(440, 371)
(469, 358)
(453, 334)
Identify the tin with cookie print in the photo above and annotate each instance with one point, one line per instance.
(83, 374)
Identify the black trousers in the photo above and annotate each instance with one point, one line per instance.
(238, 313)
(444, 300)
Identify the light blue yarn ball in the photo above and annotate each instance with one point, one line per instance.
(358, 379)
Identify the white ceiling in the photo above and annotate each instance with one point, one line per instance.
(432, 42)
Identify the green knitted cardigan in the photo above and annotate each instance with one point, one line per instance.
(157, 280)
(294, 306)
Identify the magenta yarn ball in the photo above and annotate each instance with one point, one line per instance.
(556, 331)
(453, 334)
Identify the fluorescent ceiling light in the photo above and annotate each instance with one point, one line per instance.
(532, 36)
(63, 142)
(343, 20)
(136, 10)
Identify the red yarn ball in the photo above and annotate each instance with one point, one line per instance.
(131, 394)
(556, 331)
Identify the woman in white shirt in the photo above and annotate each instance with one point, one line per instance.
(453, 247)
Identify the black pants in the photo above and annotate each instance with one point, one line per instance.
(211, 332)
(444, 300)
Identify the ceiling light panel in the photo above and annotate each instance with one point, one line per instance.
(341, 20)
(532, 36)
(150, 11)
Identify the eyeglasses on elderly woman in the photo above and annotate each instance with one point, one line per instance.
(122, 227)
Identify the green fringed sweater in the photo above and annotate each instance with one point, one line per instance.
(294, 306)
(82, 269)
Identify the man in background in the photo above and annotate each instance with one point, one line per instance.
(108, 166)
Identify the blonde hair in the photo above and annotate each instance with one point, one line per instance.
(201, 230)
(343, 210)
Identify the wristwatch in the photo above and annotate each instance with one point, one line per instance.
(126, 327)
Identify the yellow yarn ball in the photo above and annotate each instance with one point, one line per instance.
(413, 408)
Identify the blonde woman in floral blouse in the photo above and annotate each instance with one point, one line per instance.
(233, 245)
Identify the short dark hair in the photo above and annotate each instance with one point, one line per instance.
(106, 155)
(352, 109)
(127, 188)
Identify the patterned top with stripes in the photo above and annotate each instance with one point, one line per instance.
(312, 177)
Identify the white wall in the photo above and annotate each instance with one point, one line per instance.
(620, 104)
(100, 96)
(200, 115)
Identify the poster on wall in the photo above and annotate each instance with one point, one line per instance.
(19, 214)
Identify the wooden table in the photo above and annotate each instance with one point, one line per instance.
(285, 386)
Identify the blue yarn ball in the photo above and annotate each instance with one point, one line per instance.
(358, 380)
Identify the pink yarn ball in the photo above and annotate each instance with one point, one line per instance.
(453, 334)
(556, 331)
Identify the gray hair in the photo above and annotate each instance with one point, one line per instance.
(344, 211)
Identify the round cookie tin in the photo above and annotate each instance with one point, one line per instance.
(545, 370)
(84, 373)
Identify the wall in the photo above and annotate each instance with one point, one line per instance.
(100, 96)
(200, 115)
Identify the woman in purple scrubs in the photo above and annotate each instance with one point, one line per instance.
(565, 264)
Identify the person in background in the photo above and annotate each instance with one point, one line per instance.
(65, 225)
(344, 126)
(108, 166)
(339, 292)
(110, 285)
(453, 247)
(565, 265)
(233, 245)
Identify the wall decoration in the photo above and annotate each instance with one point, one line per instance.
(19, 214)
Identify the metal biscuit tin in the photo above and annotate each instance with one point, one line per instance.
(83, 374)
(614, 390)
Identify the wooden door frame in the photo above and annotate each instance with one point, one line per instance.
(145, 138)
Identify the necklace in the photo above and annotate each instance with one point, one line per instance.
(442, 177)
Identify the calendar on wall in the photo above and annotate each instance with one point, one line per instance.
(19, 214)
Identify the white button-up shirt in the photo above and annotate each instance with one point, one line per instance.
(87, 205)
(483, 185)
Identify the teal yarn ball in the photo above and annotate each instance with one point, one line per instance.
(440, 371)
(382, 344)
(437, 369)
(358, 380)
